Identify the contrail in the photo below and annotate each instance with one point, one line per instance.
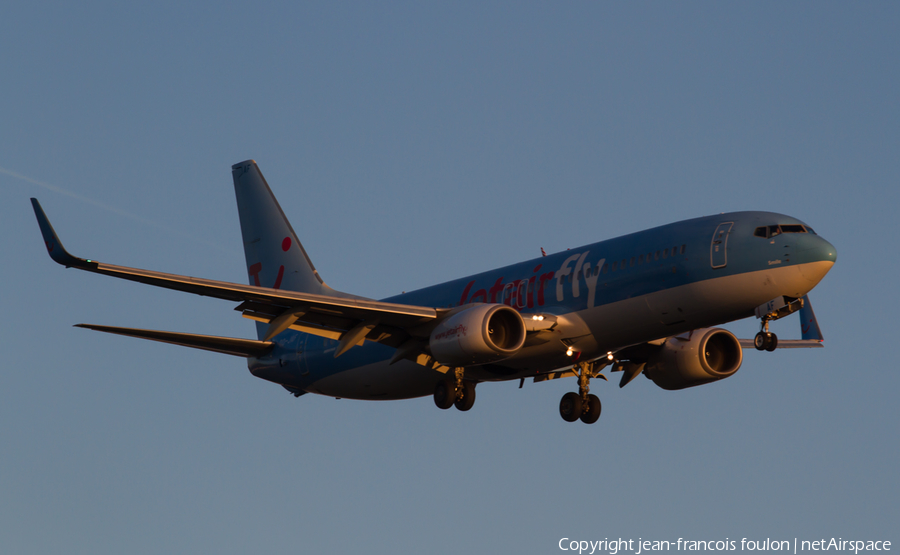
(114, 210)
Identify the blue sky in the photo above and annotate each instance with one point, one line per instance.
(410, 144)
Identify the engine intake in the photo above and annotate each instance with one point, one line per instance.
(706, 356)
(481, 334)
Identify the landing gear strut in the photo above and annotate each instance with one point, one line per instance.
(455, 391)
(582, 405)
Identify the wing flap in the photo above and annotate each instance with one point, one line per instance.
(393, 337)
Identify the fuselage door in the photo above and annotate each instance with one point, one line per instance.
(717, 253)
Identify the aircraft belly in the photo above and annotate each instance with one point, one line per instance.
(379, 380)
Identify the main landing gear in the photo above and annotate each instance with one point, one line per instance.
(582, 405)
(455, 391)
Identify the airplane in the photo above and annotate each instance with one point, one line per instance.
(644, 303)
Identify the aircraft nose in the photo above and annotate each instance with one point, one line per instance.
(818, 258)
(823, 250)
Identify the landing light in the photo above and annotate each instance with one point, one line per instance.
(609, 355)
(537, 317)
(569, 352)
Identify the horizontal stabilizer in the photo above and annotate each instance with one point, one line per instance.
(226, 345)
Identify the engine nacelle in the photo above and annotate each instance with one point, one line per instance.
(707, 355)
(478, 335)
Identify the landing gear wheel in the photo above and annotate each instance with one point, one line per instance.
(591, 411)
(772, 342)
(445, 394)
(760, 341)
(467, 400)
(570, 406)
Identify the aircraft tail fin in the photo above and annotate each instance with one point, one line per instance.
(275, 257)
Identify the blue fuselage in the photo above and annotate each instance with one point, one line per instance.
(612, 294)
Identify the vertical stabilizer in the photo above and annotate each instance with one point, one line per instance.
(275, 257)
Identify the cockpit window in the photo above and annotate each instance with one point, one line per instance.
(773, 230)
(767, 231)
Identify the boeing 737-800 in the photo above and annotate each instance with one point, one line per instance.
(641, 303)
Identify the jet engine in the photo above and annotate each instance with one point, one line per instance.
(481, 334)
(706, 355)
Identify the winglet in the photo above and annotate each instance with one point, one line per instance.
(54, 246)
(809, 326)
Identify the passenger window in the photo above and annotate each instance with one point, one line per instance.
(605, 268)
(682, 248)
(615, 265)
(622, 265)
(632, 262)
(665, 253)
(657, 256)
(640, 260)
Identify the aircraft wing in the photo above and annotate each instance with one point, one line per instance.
(225, 345)
(350, 319)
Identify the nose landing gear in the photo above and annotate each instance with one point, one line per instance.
(582, 405)
(778, 307)
(765, 340)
